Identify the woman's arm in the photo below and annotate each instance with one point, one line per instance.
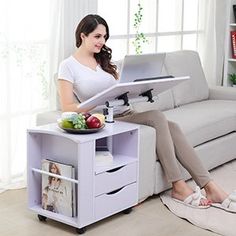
(67, 101)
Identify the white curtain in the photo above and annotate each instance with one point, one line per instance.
(24, 86)
(211, 42)
(34, 37)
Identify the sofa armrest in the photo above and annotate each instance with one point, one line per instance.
(47, 117)
(147, 162)
(222, 93)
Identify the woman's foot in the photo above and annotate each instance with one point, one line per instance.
(214, 193)
(181, 191)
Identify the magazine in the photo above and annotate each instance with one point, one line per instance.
(58, 195)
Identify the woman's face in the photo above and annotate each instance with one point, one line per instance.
(54, 169)
(95, 40)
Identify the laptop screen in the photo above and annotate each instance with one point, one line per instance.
(142, 66)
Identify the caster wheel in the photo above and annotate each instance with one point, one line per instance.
(127, 211)
(81, 230)
(42, 218)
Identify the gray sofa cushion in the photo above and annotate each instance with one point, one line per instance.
(206, 120)
(182, 63)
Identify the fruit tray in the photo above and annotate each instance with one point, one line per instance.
(81, 131)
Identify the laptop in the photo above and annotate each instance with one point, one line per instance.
(142, 67)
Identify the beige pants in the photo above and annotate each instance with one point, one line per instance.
(171, 144)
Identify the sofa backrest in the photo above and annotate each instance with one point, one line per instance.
(164, 102)
(182, 63)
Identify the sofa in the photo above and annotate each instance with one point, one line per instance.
(207, 116)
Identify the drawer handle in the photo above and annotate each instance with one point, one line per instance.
(115, 169)
(115, 191)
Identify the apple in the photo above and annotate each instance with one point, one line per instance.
(93, 122)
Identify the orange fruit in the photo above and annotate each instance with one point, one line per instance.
(100, 116)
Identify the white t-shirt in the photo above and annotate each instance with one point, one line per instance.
(86, 81)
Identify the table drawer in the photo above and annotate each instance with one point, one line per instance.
(116, 201)
(116, 178)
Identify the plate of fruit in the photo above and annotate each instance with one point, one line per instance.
(81, 123)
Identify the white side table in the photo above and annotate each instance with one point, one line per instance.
(101, 190)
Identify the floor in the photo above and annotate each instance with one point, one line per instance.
(147, 219)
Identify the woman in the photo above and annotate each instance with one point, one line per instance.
(50, 192)
(89, 71)
(53, 181)
(55, 195)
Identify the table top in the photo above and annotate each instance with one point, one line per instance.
(109, 130)
(133, 90)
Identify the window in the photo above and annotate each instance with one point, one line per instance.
(24, 46)
(167, 24)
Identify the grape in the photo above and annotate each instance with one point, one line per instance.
(78, 121)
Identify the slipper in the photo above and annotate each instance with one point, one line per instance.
(193, 200)
(229, 204)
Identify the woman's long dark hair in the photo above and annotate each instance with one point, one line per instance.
(87, 25)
